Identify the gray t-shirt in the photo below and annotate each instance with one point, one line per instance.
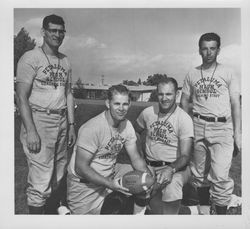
(34, 68)
(164, 132)
(217, 89)
(104, 142)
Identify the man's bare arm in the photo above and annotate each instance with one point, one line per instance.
(185, 103)
(71, 118)
(182, 160)
(236, 116)
(33, 139)
(83, 169)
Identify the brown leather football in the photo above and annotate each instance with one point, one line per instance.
(137, 181)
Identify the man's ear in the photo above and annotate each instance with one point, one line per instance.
(178, 93)
(218, 52)
(129, 105)
(199, 51)
(42, 32)
(107, 103)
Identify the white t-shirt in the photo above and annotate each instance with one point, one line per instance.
(34, 68)
(163, 133)
(218, 89)
(104, 142)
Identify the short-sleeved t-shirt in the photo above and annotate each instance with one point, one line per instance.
(217, 89)
(104, 142)
(163, 133)
(34, 68)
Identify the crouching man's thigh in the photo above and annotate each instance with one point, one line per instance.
(173, 191)
(85, 198)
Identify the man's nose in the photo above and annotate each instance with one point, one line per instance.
(164, 97)
(121, 107)
(57, 33)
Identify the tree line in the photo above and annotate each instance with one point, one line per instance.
(23, 42)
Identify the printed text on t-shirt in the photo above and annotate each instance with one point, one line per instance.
(207, 87)
(161, 131)
(54, 74)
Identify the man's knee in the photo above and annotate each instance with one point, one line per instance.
(117, 203)
(159, 206)
(37, 196)
(173, 191)
(171, 208)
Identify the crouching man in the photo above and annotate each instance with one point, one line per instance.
(92, 167)
(169, 137)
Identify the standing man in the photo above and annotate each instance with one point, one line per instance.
(169, 137)
(92, 167)
(47, 110)
(214, 91)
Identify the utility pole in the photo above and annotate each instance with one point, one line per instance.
(102, 79)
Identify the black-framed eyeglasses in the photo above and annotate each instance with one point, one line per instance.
(54, 31)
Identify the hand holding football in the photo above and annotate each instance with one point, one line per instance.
(137, 181)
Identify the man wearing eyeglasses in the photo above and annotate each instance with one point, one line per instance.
(47, 109)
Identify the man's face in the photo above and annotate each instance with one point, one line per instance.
(118, 106)
(209, 51)
(54, 35)
(166, 96)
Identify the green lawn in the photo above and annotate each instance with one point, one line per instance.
(87, 109)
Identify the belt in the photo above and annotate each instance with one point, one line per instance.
(210, 119)
(84, 181)
(162, 163)
(51, 111)
(157, 163)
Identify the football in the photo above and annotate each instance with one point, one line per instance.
(137, 181)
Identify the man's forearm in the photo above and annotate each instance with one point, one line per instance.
(236, 116)
(185, 104)
(26, 114)
(92, 176)
(136, 159)
(140, 165)
(180, 162)
(70, 108)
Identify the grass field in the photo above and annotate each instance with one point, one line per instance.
(87, 109)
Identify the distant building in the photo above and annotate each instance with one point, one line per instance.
(139, 93)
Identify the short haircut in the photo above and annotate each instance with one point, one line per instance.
(168, 80)
(210, 37)
(119, 88)
(53, 19)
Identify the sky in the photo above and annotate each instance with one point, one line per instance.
(132, 43)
